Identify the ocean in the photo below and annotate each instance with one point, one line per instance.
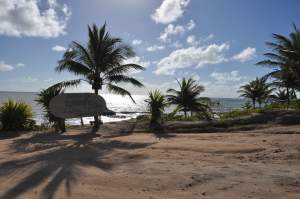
(123, 106)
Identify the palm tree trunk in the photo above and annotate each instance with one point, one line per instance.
(253, 103)
(96, 118)
(62, 125)
(185, 115)
(81, 122)
(288, 97)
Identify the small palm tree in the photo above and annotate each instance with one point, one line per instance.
(286, 79)
(100, 63)
(257, 90)
(284, 58)
(187, 98)
(43, 98)
(156, 105)
(281, 96)
(249, 91)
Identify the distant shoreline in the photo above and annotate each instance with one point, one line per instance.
(234, 98)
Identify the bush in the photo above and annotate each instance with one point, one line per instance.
(294, 104)
(16, 116)
(156, 105)
(240, 113)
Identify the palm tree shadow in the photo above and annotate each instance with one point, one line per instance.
(60, 163)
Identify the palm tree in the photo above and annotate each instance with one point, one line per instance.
(264, 91)
(281, 96)
(43, 98)
(187, 98)
(286, 79)
(156, 105)
(284, 58)
(100, 63)
(257, 90)
(249, 91)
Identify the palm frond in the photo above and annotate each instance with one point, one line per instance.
(118, 90)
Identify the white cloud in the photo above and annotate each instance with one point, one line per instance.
(221, 78)
(176, 44)
(192, 56)
(59, 48)
(191, 39)
(246, 55)
(20, 64)
(155, 48)
(137, 42)
(169, 11)
(175, 30)
(171, 30)
(191, 25)
(137, 60)
(27, 18)
(5, 67)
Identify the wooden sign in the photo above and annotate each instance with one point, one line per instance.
(75, 105)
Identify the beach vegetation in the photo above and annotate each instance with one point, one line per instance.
(43, 98)
(101, 62)
(188, 100)
(156, 105)
(284, 59)
(16, 116)
(258, 91)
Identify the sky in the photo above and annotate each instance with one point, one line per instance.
(216, 42)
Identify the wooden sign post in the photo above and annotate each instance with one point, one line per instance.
(77, 105)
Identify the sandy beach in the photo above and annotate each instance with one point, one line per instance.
(119, 162)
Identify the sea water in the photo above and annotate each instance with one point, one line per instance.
(124, 107)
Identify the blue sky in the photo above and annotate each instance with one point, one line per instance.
(216, 42)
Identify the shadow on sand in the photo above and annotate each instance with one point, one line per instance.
(57, 159)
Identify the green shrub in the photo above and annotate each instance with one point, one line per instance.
(16, 116)
(240, 113)
(294, 104)
(156, 105)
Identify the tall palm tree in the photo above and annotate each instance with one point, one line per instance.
(257, 90)
(284, 58)
(100, 63)
(156, 105)
(187, 98)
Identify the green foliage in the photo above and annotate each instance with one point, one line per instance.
(156, 105)
(16, 116)
(275, 106)
(196, 117)
(187, 98)
(294, 104)
(100, 62)
(284, 58)
(247, 105)
(44, 97)
(257, 90)
(240, 113)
